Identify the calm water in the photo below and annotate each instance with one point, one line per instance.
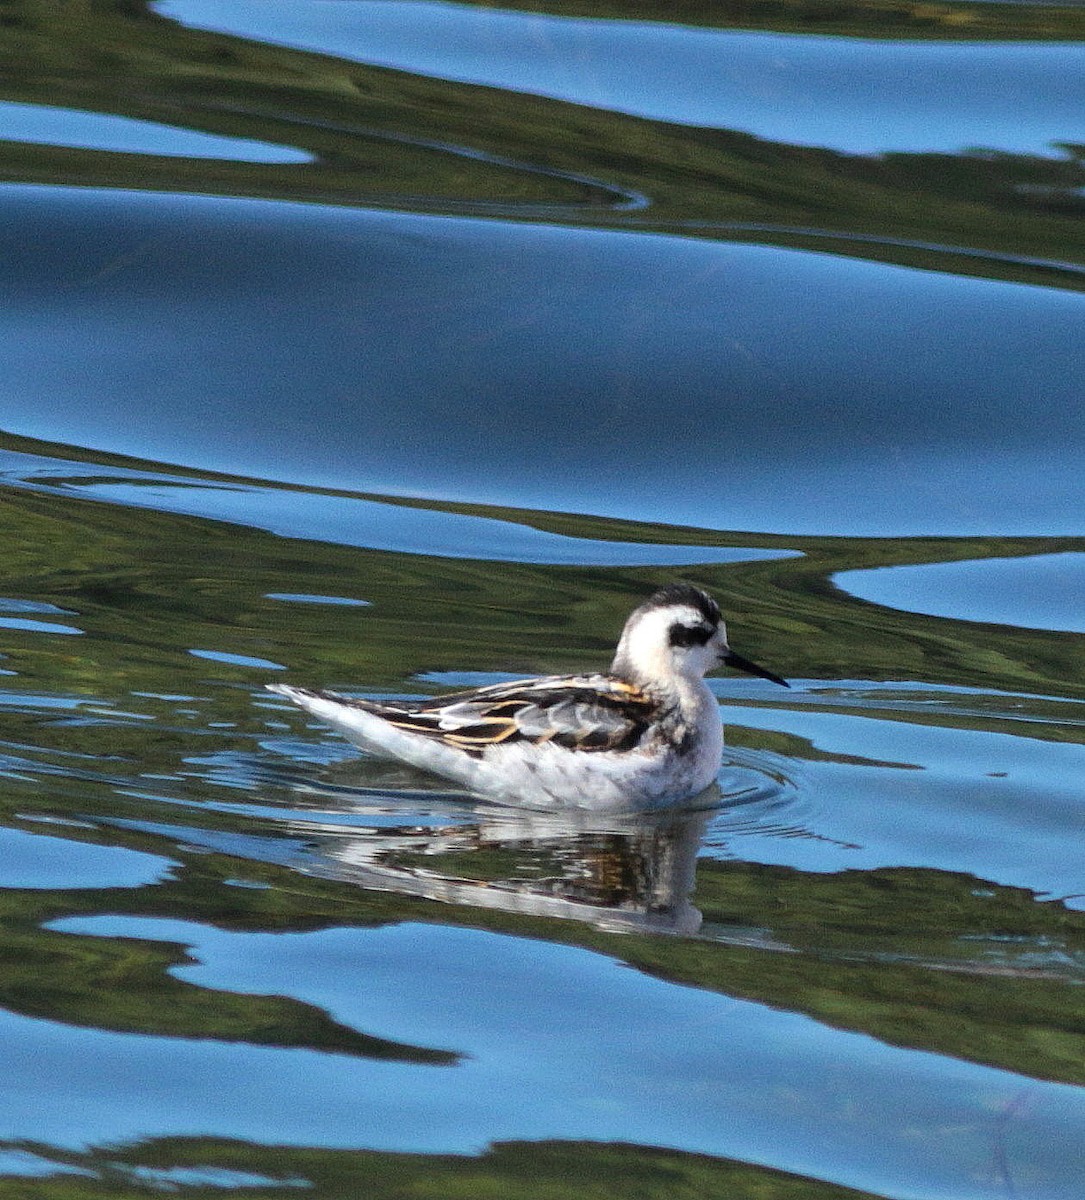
(401, 347)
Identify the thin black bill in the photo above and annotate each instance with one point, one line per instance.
(732, 659)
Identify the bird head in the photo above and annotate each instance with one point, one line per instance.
(678, 632)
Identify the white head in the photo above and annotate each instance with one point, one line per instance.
(677, 634)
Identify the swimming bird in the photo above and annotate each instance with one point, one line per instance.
(644, 735)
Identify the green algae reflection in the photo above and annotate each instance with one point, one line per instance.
(102, 729)
(405, 141)
(506, 1171)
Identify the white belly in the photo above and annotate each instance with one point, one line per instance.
(550, 776)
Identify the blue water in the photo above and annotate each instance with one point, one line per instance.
(954, 796)
(1035, 592)
(570, 352)
(859, 96)
(640, 1041)
(305, 598)
(35, 860)
(504, 272)
(48, 126)
(348, 520)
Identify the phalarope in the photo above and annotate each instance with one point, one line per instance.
(645, 734)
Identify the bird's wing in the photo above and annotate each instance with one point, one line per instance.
(586, 712)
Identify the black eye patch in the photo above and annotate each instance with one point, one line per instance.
(690, 635)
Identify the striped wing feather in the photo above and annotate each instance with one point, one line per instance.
(591, 712)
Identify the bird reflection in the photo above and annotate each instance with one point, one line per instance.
(630, 873)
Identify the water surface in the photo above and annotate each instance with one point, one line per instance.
(858, 95)
(1036, 592)
(405, 348)
(502, 356)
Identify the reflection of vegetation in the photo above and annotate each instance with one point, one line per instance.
(793, 746)
(917, 958)
(884, 952)
(148, 586)
(841, 18)
(124, 985)
(506, 1171)
(922, 959)
(383, 136)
